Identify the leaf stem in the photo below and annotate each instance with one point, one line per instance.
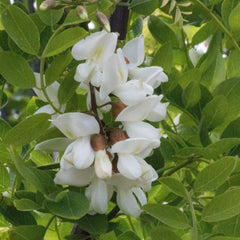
(219, 23)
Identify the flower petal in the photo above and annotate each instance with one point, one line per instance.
(140, 195)
(97, 193)
(133, 91)
(134, 51)
(129, 166)
(127, 202)
(74, 177)
(54, 145)
(83, 71)
(75, 125)
(158, 113)
(83, 154)
(140, 111)
(131, 145)
(153, 76)
(102, 165)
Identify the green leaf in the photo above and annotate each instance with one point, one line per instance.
(21, 29)
(204, 32)
(232, 130)
(28, 130)
(234, 19)
(223, 206)
(4, 178)
(189, 76)
(64, 40)
(169, 215)
(27, 233)
(163, 233)
(161, 31)
(22, 76)
(224, 238)
(67, 88)
(191, 94)
(145, 7)
(164, 58)
(137, 26)
(215, 174)
(72, 206)
(233, 62)
(49, 16)
(108, 236)
(96, 224)
(175, 186)
(214, 112)
(226, 9)
(57, 66)
(4, 127)
(129, 235)
(25, 204)
(40, 158)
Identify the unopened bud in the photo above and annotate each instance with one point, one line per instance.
(103, 20)
(117, 107)
(117, 135)
(98, 142)
(47, 4)
(81, 12)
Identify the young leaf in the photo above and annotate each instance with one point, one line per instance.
(169, 215)
(30, 232)
(164, 58)
(161, 31)
(26, 205)
(21, 29)
(21, 74)
(223, 206)
(145, 7)
(175, 186)
(215, 174)
(4, 178)
(40, 158)
(163, 233)
(191, 94)
(72, 206)
(27, 130)
(65, 40)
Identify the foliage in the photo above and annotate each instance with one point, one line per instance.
(198, 190)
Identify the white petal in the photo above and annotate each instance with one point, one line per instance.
(74, 177)
(45, 109)
(127, 202)
(87, 47)
(153, 76)
(97, 193)
(140, 195)
(133, 91)
(113, 75)
(131, 145)
(83, 71)
(76, 124)
(142, 130)
(128, 166)
(134, 51)
(83, 154)
(140, 111)
(102, 165)
(159, 112)
(54, 145)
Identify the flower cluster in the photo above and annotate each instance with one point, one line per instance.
(105, 158)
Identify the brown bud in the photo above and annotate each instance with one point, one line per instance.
(117, 135)
(103, 20)
(81, 12)
(98, 142)
(117, 107)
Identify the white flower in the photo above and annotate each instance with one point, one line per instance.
(96, 49)
(102, 165)
(79, 127)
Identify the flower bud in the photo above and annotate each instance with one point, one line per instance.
(117, 107)
(98, 142)
(117, 135)
(47, 4)
(81, 12)
(102, 19)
